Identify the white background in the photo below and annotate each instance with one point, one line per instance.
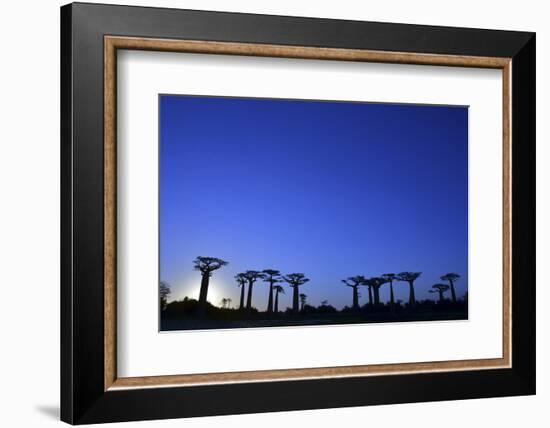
(142, 351)
(29, 218)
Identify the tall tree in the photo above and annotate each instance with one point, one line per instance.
(440, 288)
(251, 276)
(206, 265)
(368, 284)
(303, 299)
(241, 281)
(354, 282)
(295, 280)
(375, 283)
(164, 292)
(390, 277)
(278, 289)
(410, 277)
(451, 277)
(273, 277)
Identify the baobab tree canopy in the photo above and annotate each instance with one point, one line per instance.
(354, 281)
(390, 277)
(207, 265)
(252, 275)
(439, 287)
(375, 281)
(240, 278)
(450, 277)
(279, 289)
(271, 275)
(408, 276)
(295, 279)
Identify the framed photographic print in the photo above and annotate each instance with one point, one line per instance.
(265, 213)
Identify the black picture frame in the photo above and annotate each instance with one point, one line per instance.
(83, 398)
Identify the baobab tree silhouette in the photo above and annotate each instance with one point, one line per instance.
(354, 282)
(390, 277)
(206, 265)
(376, 283)
(440, 288)
(368, 284)
(410, 277)
(273, 277)
(251, 276)
(278, 289)
(451, 277)
(303, 298)
(241, 281)
(295, 280)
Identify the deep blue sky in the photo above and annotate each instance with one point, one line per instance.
(330, 189)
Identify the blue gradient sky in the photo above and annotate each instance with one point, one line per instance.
(330, 189)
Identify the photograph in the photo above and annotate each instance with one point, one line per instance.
(283, 212)
(284, 209)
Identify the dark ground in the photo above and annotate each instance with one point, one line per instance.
(284, 320)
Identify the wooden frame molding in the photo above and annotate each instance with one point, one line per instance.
(113, 43)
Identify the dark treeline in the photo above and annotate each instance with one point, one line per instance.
(277, 282)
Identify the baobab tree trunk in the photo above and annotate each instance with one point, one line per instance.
(295, 300)
(453, 295)
(376, 296)
(392, 301)
(270, 301)
(412, 300)
(205, 280)
(241, 305)
(440, 296)
(249, 297)
(355, 298)
(276, 302)
(370, 296)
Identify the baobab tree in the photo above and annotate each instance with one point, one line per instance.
(303, 298)
(295, 280)
(375, 283)
(224, 303)
(354, 282)
(390, 277)
(241, 282)
(368, 284)
(206, 265)
(278, 289)
(164, 292)
(440, 288)
(273, 277)
(409, 277)
(251, 276)
(451, 277)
